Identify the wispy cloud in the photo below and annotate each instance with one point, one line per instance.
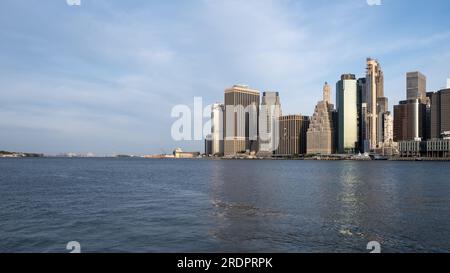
(104, 76)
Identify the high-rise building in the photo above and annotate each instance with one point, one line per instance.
(416, 86)
(400, 121)
(410, 116)
(293, 135)
(269, 115)
(362, 116)
(208, 145)
(427, 120)
(376, 102)
(241, 120)
(440, 113)
(347, 108)
(217, 129)
(320, 135)
(409, 122)
(382, 107)
(388, 124)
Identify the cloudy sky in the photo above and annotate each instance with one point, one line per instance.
(103, 77)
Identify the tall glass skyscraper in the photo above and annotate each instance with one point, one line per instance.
(347, 107)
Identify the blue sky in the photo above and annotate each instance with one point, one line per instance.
(103, 77)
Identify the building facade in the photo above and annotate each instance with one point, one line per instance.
(292, 135)
(241, 120)
(363, 145)
(208, 145)
(388, 125)
(269, 115)
(416, 86)
(409, 120)
(320, 135)
(217, 129)
(412, 116)
(347, 108)
(440, 113)
(435, 148)
(376, 102)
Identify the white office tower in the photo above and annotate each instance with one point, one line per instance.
(388, 123)
(270, 112)
(413, 112)
(217, 134)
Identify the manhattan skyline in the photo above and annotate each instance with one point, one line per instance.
(102, 77)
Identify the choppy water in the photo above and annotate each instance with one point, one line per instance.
(138, 205)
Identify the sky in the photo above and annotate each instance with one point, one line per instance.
(104, 76)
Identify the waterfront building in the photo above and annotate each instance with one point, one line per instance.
(217, 129)
(292, 135)
(440, 113)
(208, 145)
(388, 128)
(241, 120)
(347, 109)
(320, 135)
(409, 116)
(412, 116)
(435, 148)
(269, 115)
(362, 116)
(427, 120)
(377, 104)
(180, 154)
(416, 86)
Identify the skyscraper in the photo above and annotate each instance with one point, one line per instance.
(416, 86)
(217, 128)
(388, 124)
(376, 102)
(347, 107)
(410, 116)
(269, 115)
(362, 116)
(241, 120)
(208, 145)
(400, 121)
(440, 113)
(293, 135)
(320, 135)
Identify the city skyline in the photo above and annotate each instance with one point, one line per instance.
(103, 71)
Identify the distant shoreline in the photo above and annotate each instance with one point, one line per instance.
(228, 159)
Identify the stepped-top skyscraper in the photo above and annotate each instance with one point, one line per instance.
(269, 115)
(377, 103)
(320, 136)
